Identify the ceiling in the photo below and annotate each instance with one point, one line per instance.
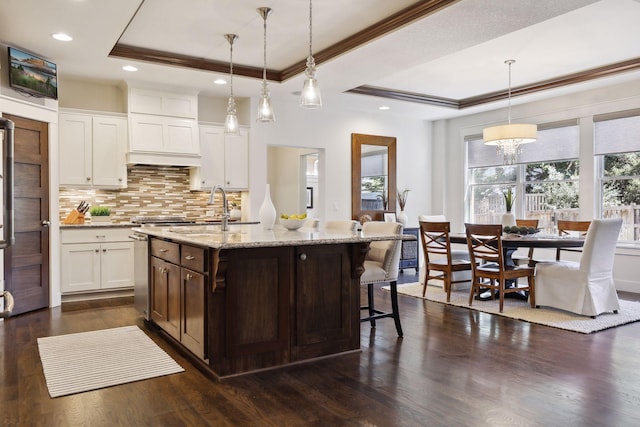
(430, 59)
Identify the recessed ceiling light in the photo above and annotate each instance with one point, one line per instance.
(220, 81)
(384, 107)
(129, 68)
(62, 37)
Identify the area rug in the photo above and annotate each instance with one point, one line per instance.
(521, 310)
(85, 361)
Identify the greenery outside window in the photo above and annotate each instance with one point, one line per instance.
(617, 149)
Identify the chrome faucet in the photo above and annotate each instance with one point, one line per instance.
(225, 206)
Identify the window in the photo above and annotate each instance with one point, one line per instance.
(547, 175)
(617, 149)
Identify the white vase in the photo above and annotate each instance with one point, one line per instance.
(402, 218)
(267, 212)
(508, 219)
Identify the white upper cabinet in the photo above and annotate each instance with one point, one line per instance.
(164, 128)
(163, 103)
(92, 150)
(225, 159)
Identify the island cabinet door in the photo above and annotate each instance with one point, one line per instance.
(165, 296)
(326, 301)
(249, 313)
(193, 304)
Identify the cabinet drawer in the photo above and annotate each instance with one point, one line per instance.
(193, 258)
(95, 235)
(168, 251)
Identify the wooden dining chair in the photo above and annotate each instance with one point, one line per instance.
(485, 243)
(566, 228)
(528, 260)
(436, 246)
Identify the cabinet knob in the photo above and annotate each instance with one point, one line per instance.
(303, 257)
(189, 257)
(88, 178)
(163, 250)
(97, 250)
(228, 182)
(104, 250)
(202, 182)
(120, 179)
(189, 276)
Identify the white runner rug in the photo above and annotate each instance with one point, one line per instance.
(85, 361)
(521, 310)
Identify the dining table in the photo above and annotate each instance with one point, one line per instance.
(512, 242)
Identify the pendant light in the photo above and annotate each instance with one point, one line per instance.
(509, 138)
(231, 122)
(265, 109)
(310, 96)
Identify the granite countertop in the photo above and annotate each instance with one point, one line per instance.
(251, 236)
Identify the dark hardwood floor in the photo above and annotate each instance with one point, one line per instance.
(454, 367)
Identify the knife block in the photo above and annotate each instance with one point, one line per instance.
(74, 217)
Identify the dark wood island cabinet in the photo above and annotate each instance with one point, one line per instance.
(254, 304)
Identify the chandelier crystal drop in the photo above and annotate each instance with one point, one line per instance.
(509, 138)
(310, 96)
(265, 109)
(231, 125)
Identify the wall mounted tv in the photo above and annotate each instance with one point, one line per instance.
(32, 75)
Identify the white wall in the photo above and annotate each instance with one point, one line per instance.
(449, 189)
(330, 129)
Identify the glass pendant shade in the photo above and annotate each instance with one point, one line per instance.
(310, 96)
(231, 125)
(265, 109)
(508, 139)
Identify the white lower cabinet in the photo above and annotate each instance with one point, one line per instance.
(96, 260)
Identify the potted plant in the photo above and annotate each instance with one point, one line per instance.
(509, 219)
(100, 213)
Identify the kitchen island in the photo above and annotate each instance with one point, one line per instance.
(250, 299)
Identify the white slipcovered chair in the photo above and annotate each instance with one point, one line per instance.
(584, 287)
(381, 265)
(338, 226)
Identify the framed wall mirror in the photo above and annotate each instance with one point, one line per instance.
(373, 175)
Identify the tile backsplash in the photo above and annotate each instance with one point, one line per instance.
(151, 190)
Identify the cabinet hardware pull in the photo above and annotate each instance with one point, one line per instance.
(97, 250)
(189, 276)
(189, 257)
(88, 178)
(164, 250)
(100, 237)
(104, 250)
(303, 257)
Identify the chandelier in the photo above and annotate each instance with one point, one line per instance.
(509, 138)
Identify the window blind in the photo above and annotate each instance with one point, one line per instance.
(556, 141)
(617, 135)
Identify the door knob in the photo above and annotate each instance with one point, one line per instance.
(46, 223)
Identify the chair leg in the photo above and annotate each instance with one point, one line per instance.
(447, 284)
(426, 280)
(394, 306)
(532, 290)
(501, 294)
(371, 303)
(472, 291)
